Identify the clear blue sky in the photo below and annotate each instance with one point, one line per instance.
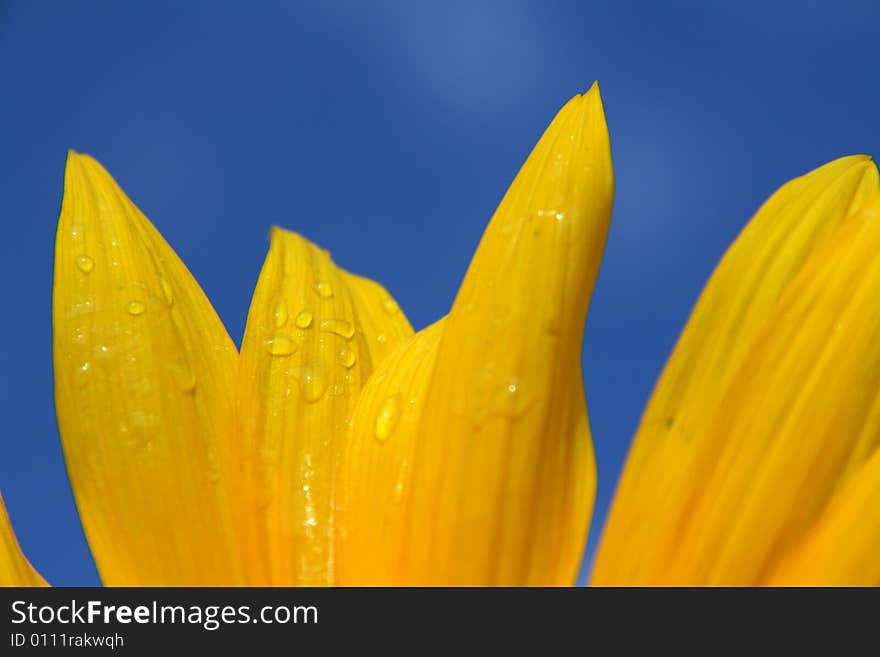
(389, 135)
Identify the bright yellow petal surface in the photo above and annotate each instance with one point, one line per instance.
(375, 473)
(843, 546)
(15, 569)
(144, 383)
(641, 533)
(491, 477)
(314, 334)
(798, 417)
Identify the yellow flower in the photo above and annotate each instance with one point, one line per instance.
(337, 447)
(756, 461)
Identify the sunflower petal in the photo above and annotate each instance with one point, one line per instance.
(500, 470)
(15, 569)
(731, 311)
(799, 416)
(314, 334)
(375, 473)
(144, 382)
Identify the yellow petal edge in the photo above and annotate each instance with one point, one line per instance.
(15, 569)
(642, 535)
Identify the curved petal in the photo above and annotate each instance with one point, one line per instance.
(144, 376)
(15, 569)
(500, 471)
(799, 416)
(314, 334)
(375, 473)
(731, 311)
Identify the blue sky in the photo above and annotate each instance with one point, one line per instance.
(389, 135)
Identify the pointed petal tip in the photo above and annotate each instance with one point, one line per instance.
(82, 169)
(844, 164)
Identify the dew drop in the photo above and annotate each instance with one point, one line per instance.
(136, 308)
(340, 327)
(560, 216)
(324, 289)
(85, 263)
(390, 306)
(280, 314)
(81, 374)
(166, 291)
(511, 400)
(337, 389)
(381, 338)
(213, 467)
(183, 375)
(313, 382)
(102, 351)
(399, 484)
(304, 319)
(347, 357)
(79, 336)
(75, 230)
(280, 345)
(387, 418)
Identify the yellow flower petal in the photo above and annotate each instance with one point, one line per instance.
(798, 416)
(746, 285)
(842, 547)
(375, 470)
(500, 470)
(15, 569)
(314, 334)
(144, 383)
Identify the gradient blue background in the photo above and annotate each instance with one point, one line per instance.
(388, 135)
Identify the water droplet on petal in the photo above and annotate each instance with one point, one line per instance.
(280, 345)
(75, 230)
(386, 420)
(313, 382)
(213, 467)
(347, 357)
(136, 308)
(560, 216)
(381, 338)
(400, 482)
(340, 327)
(280, 314)
(304, 319)
(511, 400)
(324, 289)
(166, 291)
(183, 375)
(390, 306)
(85, 263)
(81, 374)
